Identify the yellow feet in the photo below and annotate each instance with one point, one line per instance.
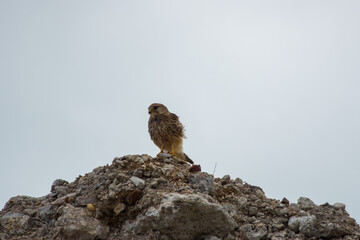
(172, 152)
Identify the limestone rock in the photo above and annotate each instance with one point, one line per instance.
(74, 223)
(138, 182)
(253, 232)
(184, 217)
(305, 225)
(339, 206)
(305, 203)
(15, 222)
(201, 182)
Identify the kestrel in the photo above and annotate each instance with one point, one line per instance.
(166, 131)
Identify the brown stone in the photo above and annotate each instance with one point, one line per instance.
(285, 201)
(132, 197)
(195, 168)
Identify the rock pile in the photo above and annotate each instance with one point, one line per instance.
(140, 197)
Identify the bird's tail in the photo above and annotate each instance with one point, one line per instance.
(188, 159)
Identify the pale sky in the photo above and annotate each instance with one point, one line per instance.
(268, 90)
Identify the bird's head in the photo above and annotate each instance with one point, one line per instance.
(157, 108)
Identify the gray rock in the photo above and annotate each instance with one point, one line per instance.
(339, 206)
(279, 235)
(131, 157)
(60, 191)
(253, 232)
(284, 212)
(138, 173)
(202, 183)
(242, 202)
(14, 220)
(57, 183)
(138, 182)
(46, 212)
(83, 201)
(305, 203)
(183, 217)
(239, 181)
(21, 201)
(154, 183)
(146, 157)
(147, 174)
(253, 211)
(230, 237)
(259, 193)
(168, 160)
(139, 160)
(165, 155)
(304, 225)
(121, 177)
(74, 223)
(211, 238)
(226, 177)
(303, 213)
(59, 201)
(231, 209)
(332, 230)
(156, 173)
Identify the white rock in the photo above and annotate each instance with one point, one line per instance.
(138, 182)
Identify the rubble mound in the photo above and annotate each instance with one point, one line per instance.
(140, 197)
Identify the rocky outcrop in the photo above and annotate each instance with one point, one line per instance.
(140, 197)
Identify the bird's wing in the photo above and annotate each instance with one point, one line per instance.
(176, 125)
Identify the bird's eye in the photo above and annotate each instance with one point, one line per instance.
(155, 107)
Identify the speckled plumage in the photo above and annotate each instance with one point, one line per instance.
(166, 130)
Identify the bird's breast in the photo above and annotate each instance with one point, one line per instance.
(157, 120)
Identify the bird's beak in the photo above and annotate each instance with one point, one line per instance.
(149, 110)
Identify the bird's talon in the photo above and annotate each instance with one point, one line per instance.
(174, 154)
(161, 151)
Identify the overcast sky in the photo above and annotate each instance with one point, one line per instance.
(268, 90)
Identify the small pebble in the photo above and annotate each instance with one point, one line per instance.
(119, 208)
(90, 206)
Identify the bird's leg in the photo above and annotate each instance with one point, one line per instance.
(161, 150)
(172, 151)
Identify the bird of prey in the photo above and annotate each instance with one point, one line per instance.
(166, 131)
